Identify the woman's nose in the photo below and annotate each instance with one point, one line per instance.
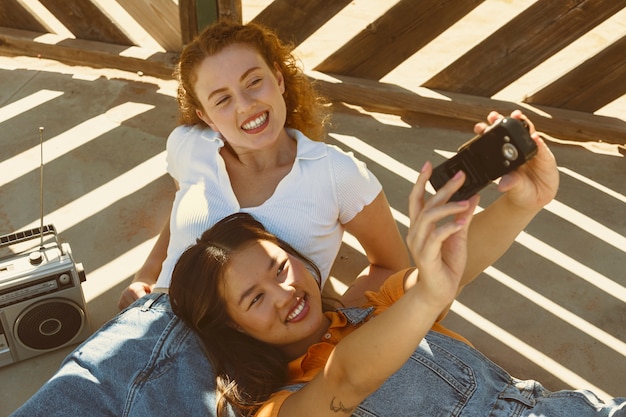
(244, 102)
(284, 294)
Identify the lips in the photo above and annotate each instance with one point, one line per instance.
(298, 312)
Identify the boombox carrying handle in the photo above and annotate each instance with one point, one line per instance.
(26, 235)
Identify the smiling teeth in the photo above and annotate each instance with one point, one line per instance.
(255, 123)
(297, 311)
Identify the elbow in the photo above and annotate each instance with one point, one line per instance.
(352, 383)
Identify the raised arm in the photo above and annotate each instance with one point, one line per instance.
(526, 191)
(437, 240)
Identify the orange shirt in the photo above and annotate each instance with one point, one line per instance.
(304, 368)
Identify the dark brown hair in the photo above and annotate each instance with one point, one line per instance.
(307, 111)
(247, 371)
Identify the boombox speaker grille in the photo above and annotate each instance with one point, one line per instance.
(49, 324)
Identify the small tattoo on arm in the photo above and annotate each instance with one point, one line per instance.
(336, 406)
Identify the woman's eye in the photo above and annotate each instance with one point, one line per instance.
(254, 82)
(281, 267)
(222, 100)
(256, 299)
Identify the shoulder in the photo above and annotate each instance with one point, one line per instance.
(312, 150)
(184, 140)
(271, 407)
(186, 143)
(188, 134)
(308, 149)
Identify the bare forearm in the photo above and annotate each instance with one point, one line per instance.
(527, 190)
(384, 344)
(492, 233)
(151, 268)
(146, 276)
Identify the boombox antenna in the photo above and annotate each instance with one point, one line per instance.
(41, 184)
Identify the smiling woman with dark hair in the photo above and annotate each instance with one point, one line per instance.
(237, 357)
(281, 355)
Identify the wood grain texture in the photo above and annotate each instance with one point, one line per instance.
(591, 85)
(526, 41)
(395, 36)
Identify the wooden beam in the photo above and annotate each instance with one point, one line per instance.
(14, 15)
(294, 21)
(86, 21)
(188, 20)
(159, 18)
(229, 9)
(395, 36)
(191, 21)
(522, 44)
(392, 99)
(591, 85)
(89, 53)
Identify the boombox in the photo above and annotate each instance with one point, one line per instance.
(42, 306)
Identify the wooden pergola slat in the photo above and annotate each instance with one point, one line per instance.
(395, 36)
(13, 15)
(591, 85)
(86, 21)
(525, 42)
(159, 18)
(294, 21)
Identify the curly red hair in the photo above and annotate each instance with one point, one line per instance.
(307, 111)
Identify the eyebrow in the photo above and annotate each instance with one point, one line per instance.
(246, 293)
(243, 76)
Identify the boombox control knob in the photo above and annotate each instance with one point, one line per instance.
(35, 257)
(65, 279)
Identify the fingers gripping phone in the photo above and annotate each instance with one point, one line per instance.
(501, 148)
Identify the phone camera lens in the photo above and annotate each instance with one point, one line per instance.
(509, 151)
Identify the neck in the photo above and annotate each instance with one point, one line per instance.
(295, 350)
(280, 153)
